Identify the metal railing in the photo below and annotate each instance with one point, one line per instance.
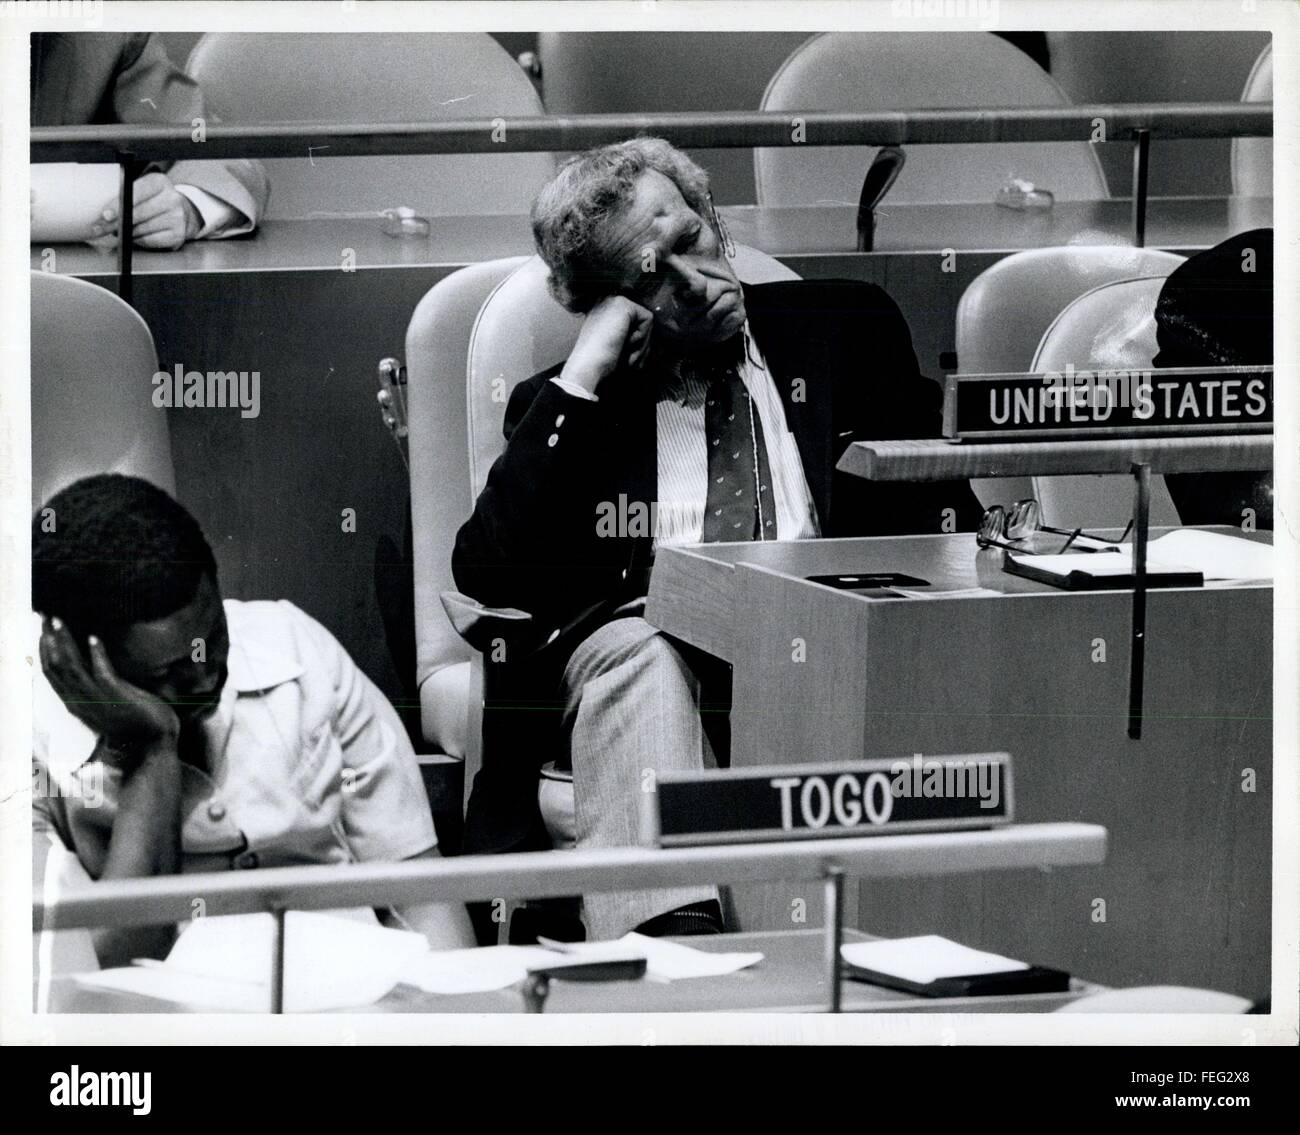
(133, 147)
(275, 890)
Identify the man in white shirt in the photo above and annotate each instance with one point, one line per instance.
(176, 733)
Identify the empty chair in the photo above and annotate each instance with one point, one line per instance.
(437, 347)
(916, 71)
(1252, 158)
(1006, 309)
(376, 78)
(654, 72)
(93, 361)
(1112, 327)
(521, 330)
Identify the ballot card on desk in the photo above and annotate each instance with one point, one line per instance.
(844, 799)
(1094, 404)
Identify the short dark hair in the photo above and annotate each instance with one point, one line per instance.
(110, 551)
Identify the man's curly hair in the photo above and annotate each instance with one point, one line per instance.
(571, 209)
(110, 551)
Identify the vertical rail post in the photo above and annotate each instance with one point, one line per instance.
(1141, 160)
(833, 877)
(1137, 653)
(277, 961)
(129, 168)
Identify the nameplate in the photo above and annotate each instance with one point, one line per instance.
(1085, 403)
(849, 798)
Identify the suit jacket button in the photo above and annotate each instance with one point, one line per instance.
(216, 811)
(559, 421)
(552, 440)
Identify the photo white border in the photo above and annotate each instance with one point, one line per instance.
(18, 1024)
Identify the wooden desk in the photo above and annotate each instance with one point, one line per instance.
(943, 459)
(270, 491)
(790, 979)
(821, 675)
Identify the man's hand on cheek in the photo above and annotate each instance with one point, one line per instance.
(122, 714)
(615, 334)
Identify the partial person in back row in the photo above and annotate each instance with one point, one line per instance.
(92, 78)
(1215, 310)
(175, 732)
(720, 410)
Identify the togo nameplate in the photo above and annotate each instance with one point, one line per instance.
(1084, 403)
(847, 798)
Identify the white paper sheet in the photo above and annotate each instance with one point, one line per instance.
(1216, 555)
(477, 970)
(332, 961)
(925, 959)
(67, 198)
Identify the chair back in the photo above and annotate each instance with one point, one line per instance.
(314, 78)
(437, 347)
(93, 362)
(1112, 327)
(655, 72)
(521, 330)
(1252, 158)
(1005, 310)
(916, 71)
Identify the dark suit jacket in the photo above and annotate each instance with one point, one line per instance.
(840, 355)
(91, 78)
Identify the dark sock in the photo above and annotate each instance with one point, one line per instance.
(694, 918)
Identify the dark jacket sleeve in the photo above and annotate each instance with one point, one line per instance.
(530, 540)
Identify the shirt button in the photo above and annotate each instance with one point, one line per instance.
(216, 811)
(559, 421)
(247, 859)
(552, 440)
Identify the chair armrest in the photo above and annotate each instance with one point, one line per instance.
(480, 626)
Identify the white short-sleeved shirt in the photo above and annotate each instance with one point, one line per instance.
(308, 763)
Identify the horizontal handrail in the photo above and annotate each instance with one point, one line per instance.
(729, 129)
(137, 902)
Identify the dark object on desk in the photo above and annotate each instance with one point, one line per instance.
(1034, 979)
(1079, 580)
(869, 581)
(537, 986)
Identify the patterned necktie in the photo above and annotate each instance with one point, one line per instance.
(739, 505)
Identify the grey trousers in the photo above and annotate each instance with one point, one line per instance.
(632, 709)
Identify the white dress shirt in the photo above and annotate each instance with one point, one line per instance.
(683, 458)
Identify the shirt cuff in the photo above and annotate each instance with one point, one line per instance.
(574, 389)
(217, 216)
